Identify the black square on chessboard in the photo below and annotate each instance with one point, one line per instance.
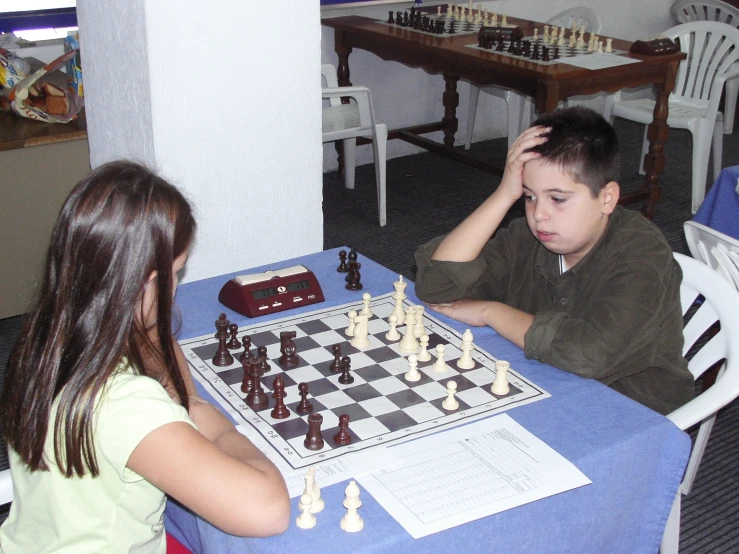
(362, 392)
(437, 404)
(321, 386)
(232, 376)
(422, 381)
(346, 348)
(206, 352)
(268, 380)
(354, 411)
(462, 383)
(317, 406)
(324, 368)
(313, 327)
(291, 428)
(329, 434)
(305, 343)
(513, 390)
(405, 398)
(265, 338)
(301, 363)
(382, 354)
(395, 421)
(453, 363)
(373, 373)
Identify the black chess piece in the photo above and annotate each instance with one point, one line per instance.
(556, 53)
(222, 356)
(304, 406)
(535, 53)
(314, 439)
(343, 267)
(256, 399)
(342, 438)
(246, 380)
(246, 343)
(280, 411)
(289, 358)
(234, 343)
(346, 377)
(390, 19)
(545, 54)
(336, 364)
(262, 355)
(353, 277)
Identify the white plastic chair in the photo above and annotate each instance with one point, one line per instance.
(346, 122)
(520, 107)
(720, 303)
(6, 487)
(718, 251)
(684, 11)
(712, 48)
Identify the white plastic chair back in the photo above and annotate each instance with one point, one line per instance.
(684, 11)
(581, 15)
(6, 487)
(328, 74)
(718, 251)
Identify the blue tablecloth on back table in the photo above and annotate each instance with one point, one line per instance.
(634, 457)
(720, 209)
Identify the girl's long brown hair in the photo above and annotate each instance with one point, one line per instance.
(119, 224)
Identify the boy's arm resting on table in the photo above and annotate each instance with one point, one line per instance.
(619, 325)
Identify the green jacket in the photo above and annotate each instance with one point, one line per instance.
(614, 317)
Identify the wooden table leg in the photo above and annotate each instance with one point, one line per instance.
(547, 96)
(654, 161)
(342, 74)
(451, 101)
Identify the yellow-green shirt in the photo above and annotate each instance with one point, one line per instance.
(118, 511)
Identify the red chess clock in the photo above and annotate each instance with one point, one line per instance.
(271, 291)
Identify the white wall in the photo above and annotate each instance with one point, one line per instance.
(225, 108)
(403, 96)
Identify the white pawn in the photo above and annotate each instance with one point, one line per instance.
(408, 343)
(393, 334)
(360, 339)
(312, 489)
(413, 374)
(450, 403)
(500, 383)
(600, 47)
(561, 40)
(305, 520)
(466, 361)
(350, 330)
(536, 34)
(423, 355)
(352, 522)
(546, 33)
(439, 364)
(366, 298)
(419, 329)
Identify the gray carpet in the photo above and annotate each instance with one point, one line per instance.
(428, 196)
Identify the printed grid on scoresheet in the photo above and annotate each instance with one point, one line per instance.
(564, 51)
(383, 407)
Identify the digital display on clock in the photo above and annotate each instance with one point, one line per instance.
(299, 285)
(264, 293)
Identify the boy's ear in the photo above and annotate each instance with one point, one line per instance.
(609, 196)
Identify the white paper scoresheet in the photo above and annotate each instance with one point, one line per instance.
(463, 474)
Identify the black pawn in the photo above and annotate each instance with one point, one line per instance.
(222, 357)
(304, 406)
(346, 377)
(314, 439)
(234, 343)
(262, 355)
(280, 411)
(336, 364)
(343, 268)
(246, 343)
(342, 438)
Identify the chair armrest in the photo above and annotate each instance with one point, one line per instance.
(352, 92)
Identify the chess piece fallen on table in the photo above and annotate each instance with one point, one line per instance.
(352, 521)
(312, 489)
(465, 360)
(306, 520)
(500, 385)
(314, 439)
(450, 402)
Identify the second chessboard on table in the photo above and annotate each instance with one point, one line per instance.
(382, 406)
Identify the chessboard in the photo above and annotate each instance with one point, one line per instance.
(444, 25)
(555, 53)
(383, 407)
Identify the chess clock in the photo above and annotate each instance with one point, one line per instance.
(272, 291)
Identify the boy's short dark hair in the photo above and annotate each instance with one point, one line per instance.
(583, 144)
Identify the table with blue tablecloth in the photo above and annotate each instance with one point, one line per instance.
(634, 457)
(720, 209)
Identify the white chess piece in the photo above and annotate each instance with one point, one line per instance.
(306, 520)
(366, 299)
(561, 41)
(350, 330)
(573, 36)
(419, 329)
(360, 339)
(399, 295)
(423, 355)
(465, 361)
(450, 403)
(312, 489)
(536, 34)
(546, 33)
(600, 47)
(500, 383)
(494, 19)
(413, 374)
(438, 11)
(409, 343)
(393, 334)
(439, 364)
(504, 20)
(352, 522)
(609, 45)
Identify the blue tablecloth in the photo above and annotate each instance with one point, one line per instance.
(720, 209)
(634, 457)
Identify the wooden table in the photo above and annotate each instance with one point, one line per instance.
(547, 84)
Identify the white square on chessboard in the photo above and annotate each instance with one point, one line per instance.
(269, 419)
(335, 380)
(328, 338)
(335, 399)
(374, 342)
(423, 412)
(302, 451)
(378, 406)
(481, 376)
(476, 396)
(451, 352)
(360, 360)
(305, 374)
(396, 366)
(330, 419)
(389, 385)
(337, 322)
(367, 428)
(383, 310)
(435, 374)
(316, 355)
(292, 394)
(378, 326)
(431, 391)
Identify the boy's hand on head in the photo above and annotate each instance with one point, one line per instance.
(471, 312)
(512, 183)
